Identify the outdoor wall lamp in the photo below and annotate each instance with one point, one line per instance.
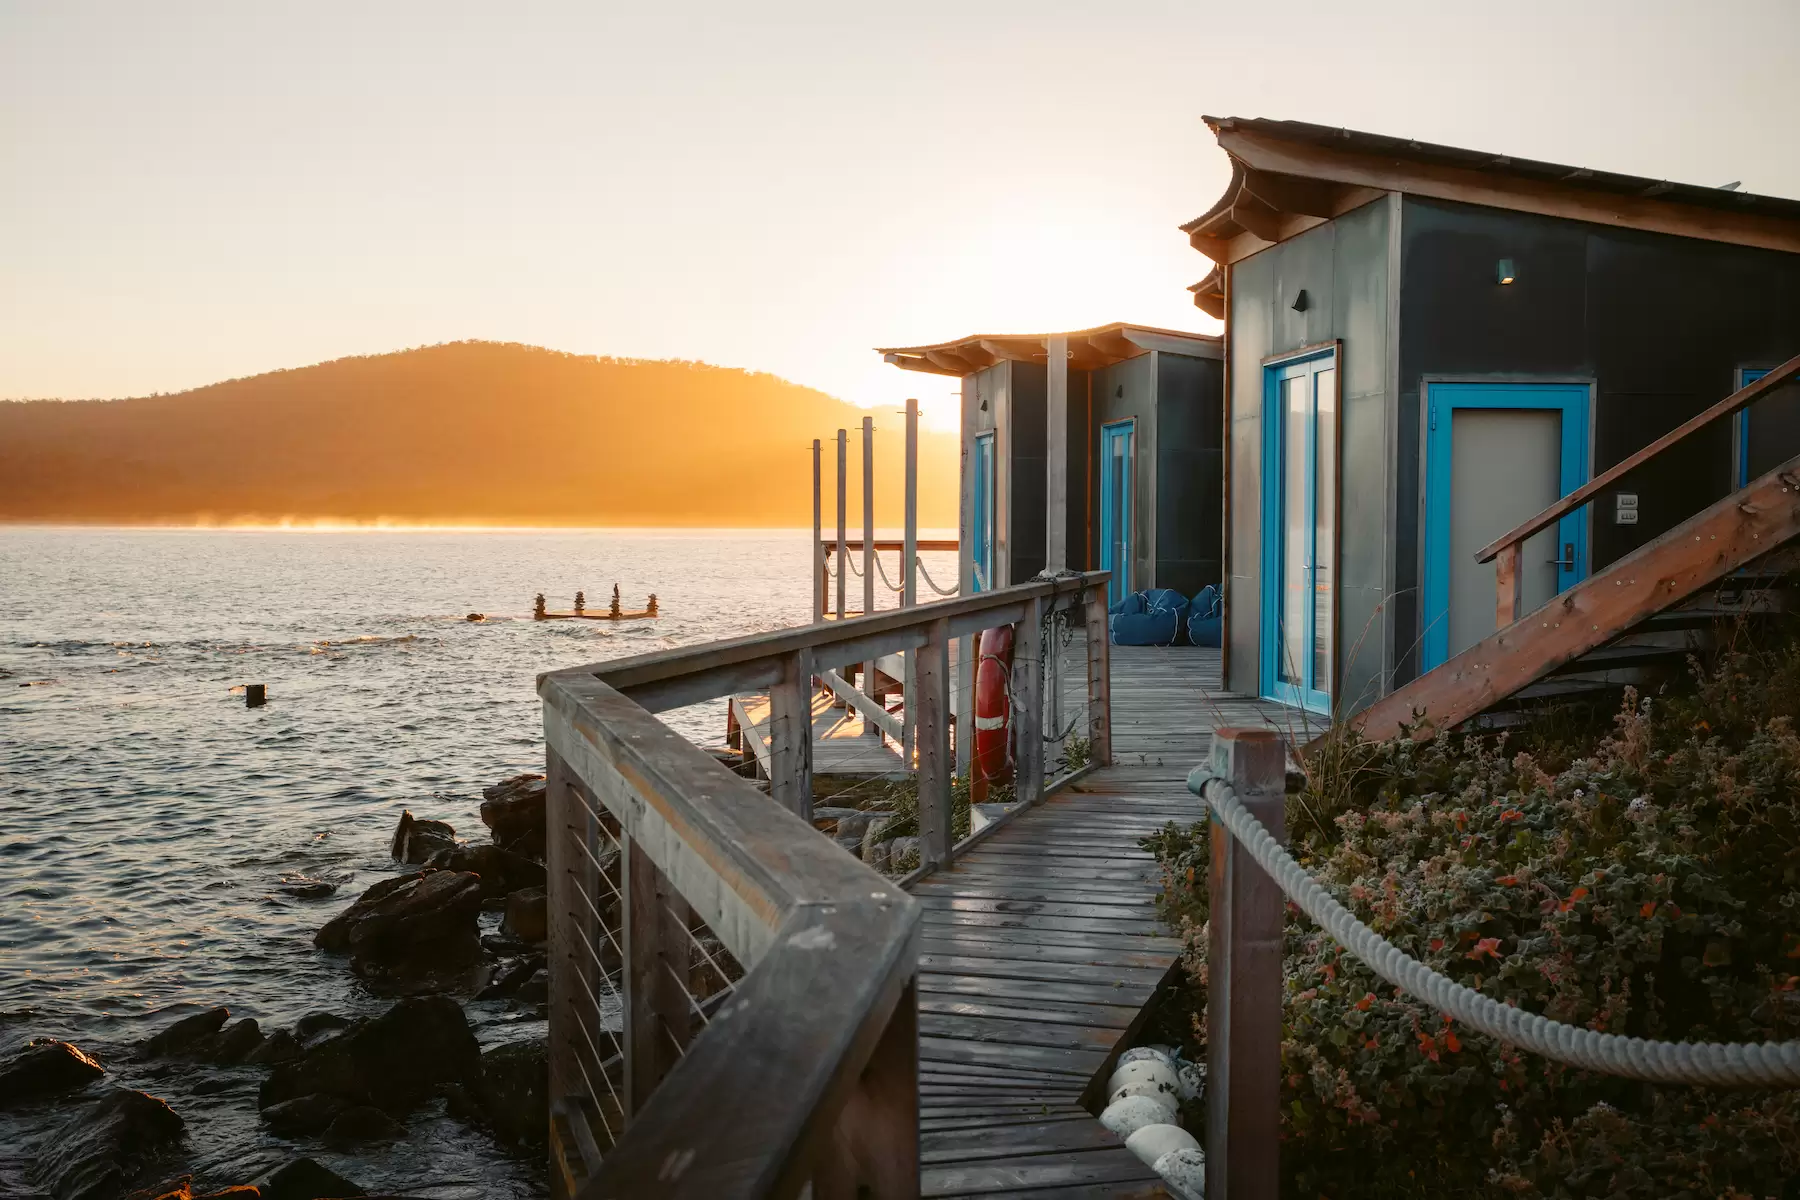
(1300, 301)
(1504, 272)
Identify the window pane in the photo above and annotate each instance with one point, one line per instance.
(1324, 527)
(1292, 643)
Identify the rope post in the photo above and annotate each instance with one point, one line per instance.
(843, 546)
(818, 544)
(909, 576)
(870, 729)
(1243, 1119)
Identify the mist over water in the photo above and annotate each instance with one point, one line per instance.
(150, 817)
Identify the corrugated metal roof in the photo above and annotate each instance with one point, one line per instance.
(1088, 348)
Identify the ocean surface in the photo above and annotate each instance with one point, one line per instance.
(150, 817)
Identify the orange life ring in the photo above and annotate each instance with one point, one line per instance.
(992, 760)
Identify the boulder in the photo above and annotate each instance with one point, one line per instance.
(364, 1123)
(410, 928)
(527, 916)
(304, 1114)
(304, 1179)
(279, 1046)
(903, 854)
(513, 811)
(416, 841)
(236, 1042)
(393, 1062)
(502, 872)
(186, 1034)
(534, 991)
(507, 980)
(182, 1188)
(107, 1146)
(514, 1091)
(831, 821)
(317, 1025)
(45, 1067)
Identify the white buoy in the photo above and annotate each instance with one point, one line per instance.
(1162, 1091)
(1184, 1171)
(1125, 1117)
(1153, 1141)
(1143, 1070)
(1190, 1081)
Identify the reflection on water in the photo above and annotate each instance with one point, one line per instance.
(151, 819)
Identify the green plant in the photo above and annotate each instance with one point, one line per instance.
(1642, 878)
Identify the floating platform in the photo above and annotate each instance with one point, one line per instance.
(602, 615)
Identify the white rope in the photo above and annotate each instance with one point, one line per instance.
(931, 583)
(851, 563)
(1766, 1064)
(884, 579)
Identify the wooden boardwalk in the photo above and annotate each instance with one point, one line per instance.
(1041, 948)
(841, 743)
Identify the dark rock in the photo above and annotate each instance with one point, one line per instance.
(364, 1123)
(236, 1042)
(416, 840)
(507, 980)
(505, 945)
(308, 889)
(186, 1033)
(535, 990)
(304, 1179)
(107, 1146)
(393, 1062)
(304, 1114)
(461, 1104)
(279, 1046)
(514, 1090)
(502, 871)
(513, 811)
(527, 916)
(422, 925)
(493, 904)
(45, 1068)
(182, 1188)
(315, 1025)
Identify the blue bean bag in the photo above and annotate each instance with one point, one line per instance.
(1152, 618)
(1206, 617)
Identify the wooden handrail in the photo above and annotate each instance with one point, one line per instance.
(1744, 396)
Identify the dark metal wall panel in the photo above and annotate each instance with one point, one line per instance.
(1080, 462)
(1190, 471)
(1342, 266)
(1658, 324)
(1027, 460)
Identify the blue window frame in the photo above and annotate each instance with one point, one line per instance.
(982, 523)
(1299, 520)
(1444, 399)
(1117, 442)
(1741, 419)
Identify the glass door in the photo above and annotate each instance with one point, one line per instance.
(1115, 507)
(1300, 531)
(982, 523)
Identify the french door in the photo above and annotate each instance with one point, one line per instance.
(1115, 506)
(1299, 518)
(982, 533)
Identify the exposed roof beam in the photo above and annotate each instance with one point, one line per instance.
(908, 362)
(1016, 349)
(1291, 194)
(1255, 217)
(1115, 345)
(951, 362)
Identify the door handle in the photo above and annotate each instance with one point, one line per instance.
(1567, 561)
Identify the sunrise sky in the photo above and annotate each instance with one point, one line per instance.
(196, 191)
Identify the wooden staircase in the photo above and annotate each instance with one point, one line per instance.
(1745, 527)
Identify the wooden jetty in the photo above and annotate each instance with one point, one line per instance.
(582, 613)
(941, 1035)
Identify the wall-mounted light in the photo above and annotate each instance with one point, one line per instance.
(1300, 301)
(1504, 272)
(1119, 392)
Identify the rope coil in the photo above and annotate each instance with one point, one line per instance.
(1764, 1064)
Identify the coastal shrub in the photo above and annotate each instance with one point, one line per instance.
(1645, 881)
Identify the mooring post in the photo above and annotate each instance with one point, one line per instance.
(935, 765)
(843, 541)
(1243, 1118)
(255, 695)
(817, 549)
(868, 481)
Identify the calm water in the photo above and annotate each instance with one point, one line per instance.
(149, 816)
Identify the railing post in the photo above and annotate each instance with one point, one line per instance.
(933, 733)
(1243, 1118)
(868, 556)
(1099, 677)
(817, 549)
(875, 1146)
(1028, 704)
(565, 954)
(658, 1021)
(843, 491)
(790, 735)
(1508, 583)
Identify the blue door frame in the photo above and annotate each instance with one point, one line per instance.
(982, 518)
(1745, 377)
(1117, 442)
(1304, 680)
(1571, 400)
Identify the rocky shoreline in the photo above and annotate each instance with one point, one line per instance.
(342, 1083)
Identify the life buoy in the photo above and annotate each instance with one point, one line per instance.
(992, 760)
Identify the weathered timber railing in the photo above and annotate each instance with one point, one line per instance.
(1509, 548)
(732, 1009)
(1252, 876)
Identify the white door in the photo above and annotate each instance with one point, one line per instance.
(1507, 470)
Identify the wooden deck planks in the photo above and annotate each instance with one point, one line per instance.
(1040, 947)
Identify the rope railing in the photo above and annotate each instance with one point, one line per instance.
(1712, 1064)
(932, 583)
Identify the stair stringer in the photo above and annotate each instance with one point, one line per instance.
(1753, 521)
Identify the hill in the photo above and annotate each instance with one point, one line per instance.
(468, 432)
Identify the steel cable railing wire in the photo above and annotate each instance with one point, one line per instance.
(1764, 1064)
